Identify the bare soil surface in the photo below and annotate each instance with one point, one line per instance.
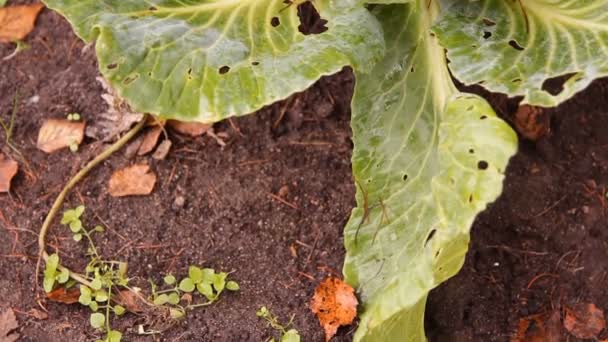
(540, 247)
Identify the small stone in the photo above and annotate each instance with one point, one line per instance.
(179, 201)
(585, 209)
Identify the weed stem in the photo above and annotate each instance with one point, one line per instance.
(42, 254)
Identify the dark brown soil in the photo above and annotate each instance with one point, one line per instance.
(546, 222)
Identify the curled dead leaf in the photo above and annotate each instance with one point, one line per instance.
(193, 129)
(8, 170)
(130, 300)
(584, 320)
(335, 304)
(63, 295)
(16, 22)
(532, 122)
(162, 150)
(56, 134)
(132, 180)
(150, 140)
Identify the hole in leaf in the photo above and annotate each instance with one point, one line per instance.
(471, 151)
(487, 34)
(515, 45)
(275, 21)
(130, 79)
(310, 19)
(224, 69)
(469, 108)
(112, 66)
(470, 198)
(405, 177)
(483, 117)
(152, 8)
(430, 236)
(255, 63)
(412, 69)
(516, 80)
(488, 22)
(482, 165)
(437, 253)
(555, 85)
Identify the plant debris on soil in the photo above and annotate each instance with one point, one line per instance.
(270, 203)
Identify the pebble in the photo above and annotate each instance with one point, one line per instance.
(179, 202)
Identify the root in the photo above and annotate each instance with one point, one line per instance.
(42, 254)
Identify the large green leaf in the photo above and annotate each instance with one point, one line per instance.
(512, 47)
(204, 60)
(427, 159)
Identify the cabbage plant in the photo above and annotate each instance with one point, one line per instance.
(427, 157)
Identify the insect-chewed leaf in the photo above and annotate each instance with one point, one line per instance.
(205, 60)
(513, 47)
(335, 304)
(427, 159)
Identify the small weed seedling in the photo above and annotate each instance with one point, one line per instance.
(104, 277)
(205, 281)
(290, 335)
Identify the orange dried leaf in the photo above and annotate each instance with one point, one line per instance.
(63, 295)
(584, 320)
(56, 134)
(133, 180)
(8, 170)
(150, 140)
(532, 122)
(16, 22)
(538, 328)
(335, 304)
(193, 129)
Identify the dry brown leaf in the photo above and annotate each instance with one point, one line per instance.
(56, 134)
(538, 328)
(131, 301)
(584, 320)
(118, 118)
(193, 129)
(38, 314)
(163, 150)
(133, 180)
(335, 304)
(8, 170)
(8, 323)
(150, 140)
(63, 295)
(16, 22)
(532, 122)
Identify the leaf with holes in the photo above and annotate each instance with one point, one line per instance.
(187, 60)
(519, 47)
(426, 160)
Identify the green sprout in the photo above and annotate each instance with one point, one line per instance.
(73, 117)
(290, 335)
